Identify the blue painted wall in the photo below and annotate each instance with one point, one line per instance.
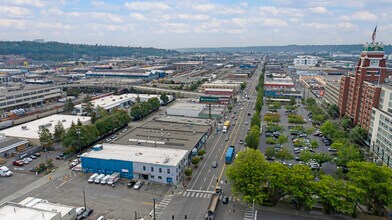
(94, 165)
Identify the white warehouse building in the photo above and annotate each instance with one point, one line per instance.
(156, 164)
(186, 109)
(29, 130)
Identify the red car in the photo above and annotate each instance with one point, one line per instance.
(18, 163)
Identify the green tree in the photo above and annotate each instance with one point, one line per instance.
(375, 181)
(247, 175)
(314, 144)
(69, 106)
(292, 101)
(318, 118)
(164, 98)
(253, 137)
(270, 140)
(243, 85)
(255, 121)
(101, 112)
(195, 160)
(284, 154)
(305, 156)
(346, 123)
(270, 152)
(300, 186)
(333, 111)
(136, 112)
(45, 138)
(188, 172)
(87, 104)
(358, 135)
(327, 128)
(229, 107)
(322, 157)
(282, 140)
(137, 100)
(347, 154)
(93, 117)
(58, 131)
(201, 152)
(277, 174)
(337, 195)
(310, 131)
(337, 145)
(154, 103)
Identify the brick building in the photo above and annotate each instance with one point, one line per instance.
(360, 92)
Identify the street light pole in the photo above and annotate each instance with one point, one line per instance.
(84, 198)
(78, 133)
(154, 209)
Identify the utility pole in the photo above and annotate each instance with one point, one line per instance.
(84, 198)
(78, 133)
(154, 209)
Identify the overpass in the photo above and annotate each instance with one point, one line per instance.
(125, 85)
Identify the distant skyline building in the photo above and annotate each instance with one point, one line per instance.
(305, 61)
(360, 92)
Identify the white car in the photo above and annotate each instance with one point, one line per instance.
(26, 161)
(80, 211)
(138, 184)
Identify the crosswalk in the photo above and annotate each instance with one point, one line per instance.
(201, 195)
(249, 215)
(161, 206)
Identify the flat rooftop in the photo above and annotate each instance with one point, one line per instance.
(48, 206)
(109, 102)
(141, 154)
(8, 143)
(171, 135)
(9, 210)
(30, 130)
(187, 106)
(185, 120)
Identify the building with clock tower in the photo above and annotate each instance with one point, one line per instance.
(360, 92)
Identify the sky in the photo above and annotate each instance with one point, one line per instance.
(197, 23)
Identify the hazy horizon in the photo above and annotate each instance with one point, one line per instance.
(174, 24)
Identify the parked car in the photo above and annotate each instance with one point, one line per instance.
(29, 159)
(79, 211)
(60, 157)
(26, 161)
(33, 157)
(214, 164)
(241, 141)
(138, 184)
(332, 149)
(131, 183)
(37, 154)
(225, 200)
(87, 213)
(18, 163)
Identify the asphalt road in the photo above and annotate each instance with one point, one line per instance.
(193, 201)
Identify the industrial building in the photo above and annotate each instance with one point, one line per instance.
(233, 85)
(380, 131)
(9, 145)
(109, 103)
(313, 82)
(30, 97)
(186, 109)
(156, 164)
(29, 130)
(36, 209)
(127, 74)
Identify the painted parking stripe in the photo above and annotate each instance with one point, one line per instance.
(197, 195)
(193, 194)
(205, 195)
(209, 195)
(185, 194)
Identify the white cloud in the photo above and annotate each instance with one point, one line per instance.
(104, 5)
(56, 25)
(317, 26)
(364, 16)
(52, 11)
(319, 10)
(198, 17)
(138, 16)
(12, 23)
(36, 3)
(274, 22)
(145, 6)
(14, 11)
(347, 26)
(231, 11)
(287, 12)
(203, 7)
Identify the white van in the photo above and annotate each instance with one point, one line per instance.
(4, 171)
(92, 177)
(105, 179)
(114, 178)
(99, 178)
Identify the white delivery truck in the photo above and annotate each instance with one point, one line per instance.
(113, 178)
(4, 171)
(92, 177)
(105, 179)
(99, 178)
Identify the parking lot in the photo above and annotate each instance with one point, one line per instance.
(328, 167)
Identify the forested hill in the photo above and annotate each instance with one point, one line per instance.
(56, 51)
(354, 48)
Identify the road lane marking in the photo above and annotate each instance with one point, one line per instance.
(193, 194)
(205, 179)
(209, 170)
(197, 195)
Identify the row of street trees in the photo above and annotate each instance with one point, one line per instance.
(254, 179)
(142, 109)
(253, 138)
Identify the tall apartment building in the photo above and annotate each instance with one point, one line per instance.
(380, 131)
(331, 95)
(360, 92)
